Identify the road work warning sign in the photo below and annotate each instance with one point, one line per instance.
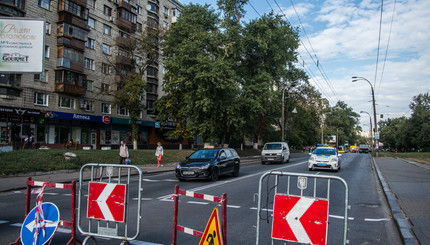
(212, 234)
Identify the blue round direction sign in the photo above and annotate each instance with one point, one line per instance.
(28, 229)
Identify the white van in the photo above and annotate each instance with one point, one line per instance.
(275, 152)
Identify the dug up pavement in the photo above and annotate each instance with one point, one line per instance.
(406, 185)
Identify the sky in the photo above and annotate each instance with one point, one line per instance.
(341, 39)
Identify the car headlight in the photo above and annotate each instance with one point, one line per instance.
(178, 166)
(333, 159)
(205, 166)
(312, 158)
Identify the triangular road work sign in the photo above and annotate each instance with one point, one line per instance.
(212, 234)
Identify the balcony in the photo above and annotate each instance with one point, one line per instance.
(68, 63)
(124, 4)
(67, 17)
(69, 89)
(123, 60)
(125, 25)
(123, 42)
(71, 42)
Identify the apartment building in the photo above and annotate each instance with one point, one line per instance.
(84, 54)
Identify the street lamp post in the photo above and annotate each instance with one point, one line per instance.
(370, 130)
(355, 79)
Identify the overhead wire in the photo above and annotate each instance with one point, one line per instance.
(388, 45)
(316, 62)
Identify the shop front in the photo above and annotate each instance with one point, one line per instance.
(17, 123)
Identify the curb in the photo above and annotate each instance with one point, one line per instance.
(399, 217)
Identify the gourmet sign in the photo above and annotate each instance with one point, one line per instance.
(22, 45)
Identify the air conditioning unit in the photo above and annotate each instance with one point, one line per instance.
(112, 19)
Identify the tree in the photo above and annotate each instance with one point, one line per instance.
(269, 49)
(342, 120)
(420, 121)
(201, 94)
(143, 51)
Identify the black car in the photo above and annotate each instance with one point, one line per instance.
(209, 164)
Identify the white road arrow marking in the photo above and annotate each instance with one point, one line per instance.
(49, 223)
(101, 201)
(293, 219)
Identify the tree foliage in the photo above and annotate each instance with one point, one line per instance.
(407, 133)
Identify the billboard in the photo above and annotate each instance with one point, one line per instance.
(22, 45)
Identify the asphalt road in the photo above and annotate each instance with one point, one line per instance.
(369, 220)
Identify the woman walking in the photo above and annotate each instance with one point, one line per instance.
(159, 152)
(123, 152)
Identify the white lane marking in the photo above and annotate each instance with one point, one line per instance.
(3, 221)
(16, 224)
(375, 220)
(137, 242)
(151, 180)
(143, 199)
(263, 209)
(233, 206)
(17, 192)
(340, 217)
(233, 180)
(201, 203)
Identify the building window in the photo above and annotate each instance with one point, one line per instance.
(47, 28)
(105, 68)
(47, 50)
(107, 10)
(138, 9)
(91, 3)
(105, 88)
(66, 102)
(89, 64)
(106, 49)
(107, 30)
(44, 4)
(125, 14)
(166, 11)
(40, 99)
(165, 24)
(122, 111)
(89, 85)
(139, 27)
(91, 22)
(90, 43)
(13, 80)
(87, 105)
(106, 108)
(41, 77)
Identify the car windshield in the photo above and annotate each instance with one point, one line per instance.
(272, 146)
(204, 154)
(325, 151)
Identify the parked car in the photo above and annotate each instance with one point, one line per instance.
(209, 164)
(324, 158)
(275, 152)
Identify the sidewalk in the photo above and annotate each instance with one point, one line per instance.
(407, 188)
(18, 182)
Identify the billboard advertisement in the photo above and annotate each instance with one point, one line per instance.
(22, 45)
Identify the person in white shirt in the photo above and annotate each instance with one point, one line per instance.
(123, 152)
(159, 152)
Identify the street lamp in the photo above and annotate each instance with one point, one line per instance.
(370, 130)
(355, 79)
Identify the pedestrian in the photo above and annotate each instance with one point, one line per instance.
(123, 152)
(159, 152)
(31, 141)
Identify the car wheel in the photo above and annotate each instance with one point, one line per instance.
(215, 174)
(236, 170)
(262, 163)
(288, 160)
(181, 179)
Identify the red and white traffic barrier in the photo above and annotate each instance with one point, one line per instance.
(71, 224)
(222, 200)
